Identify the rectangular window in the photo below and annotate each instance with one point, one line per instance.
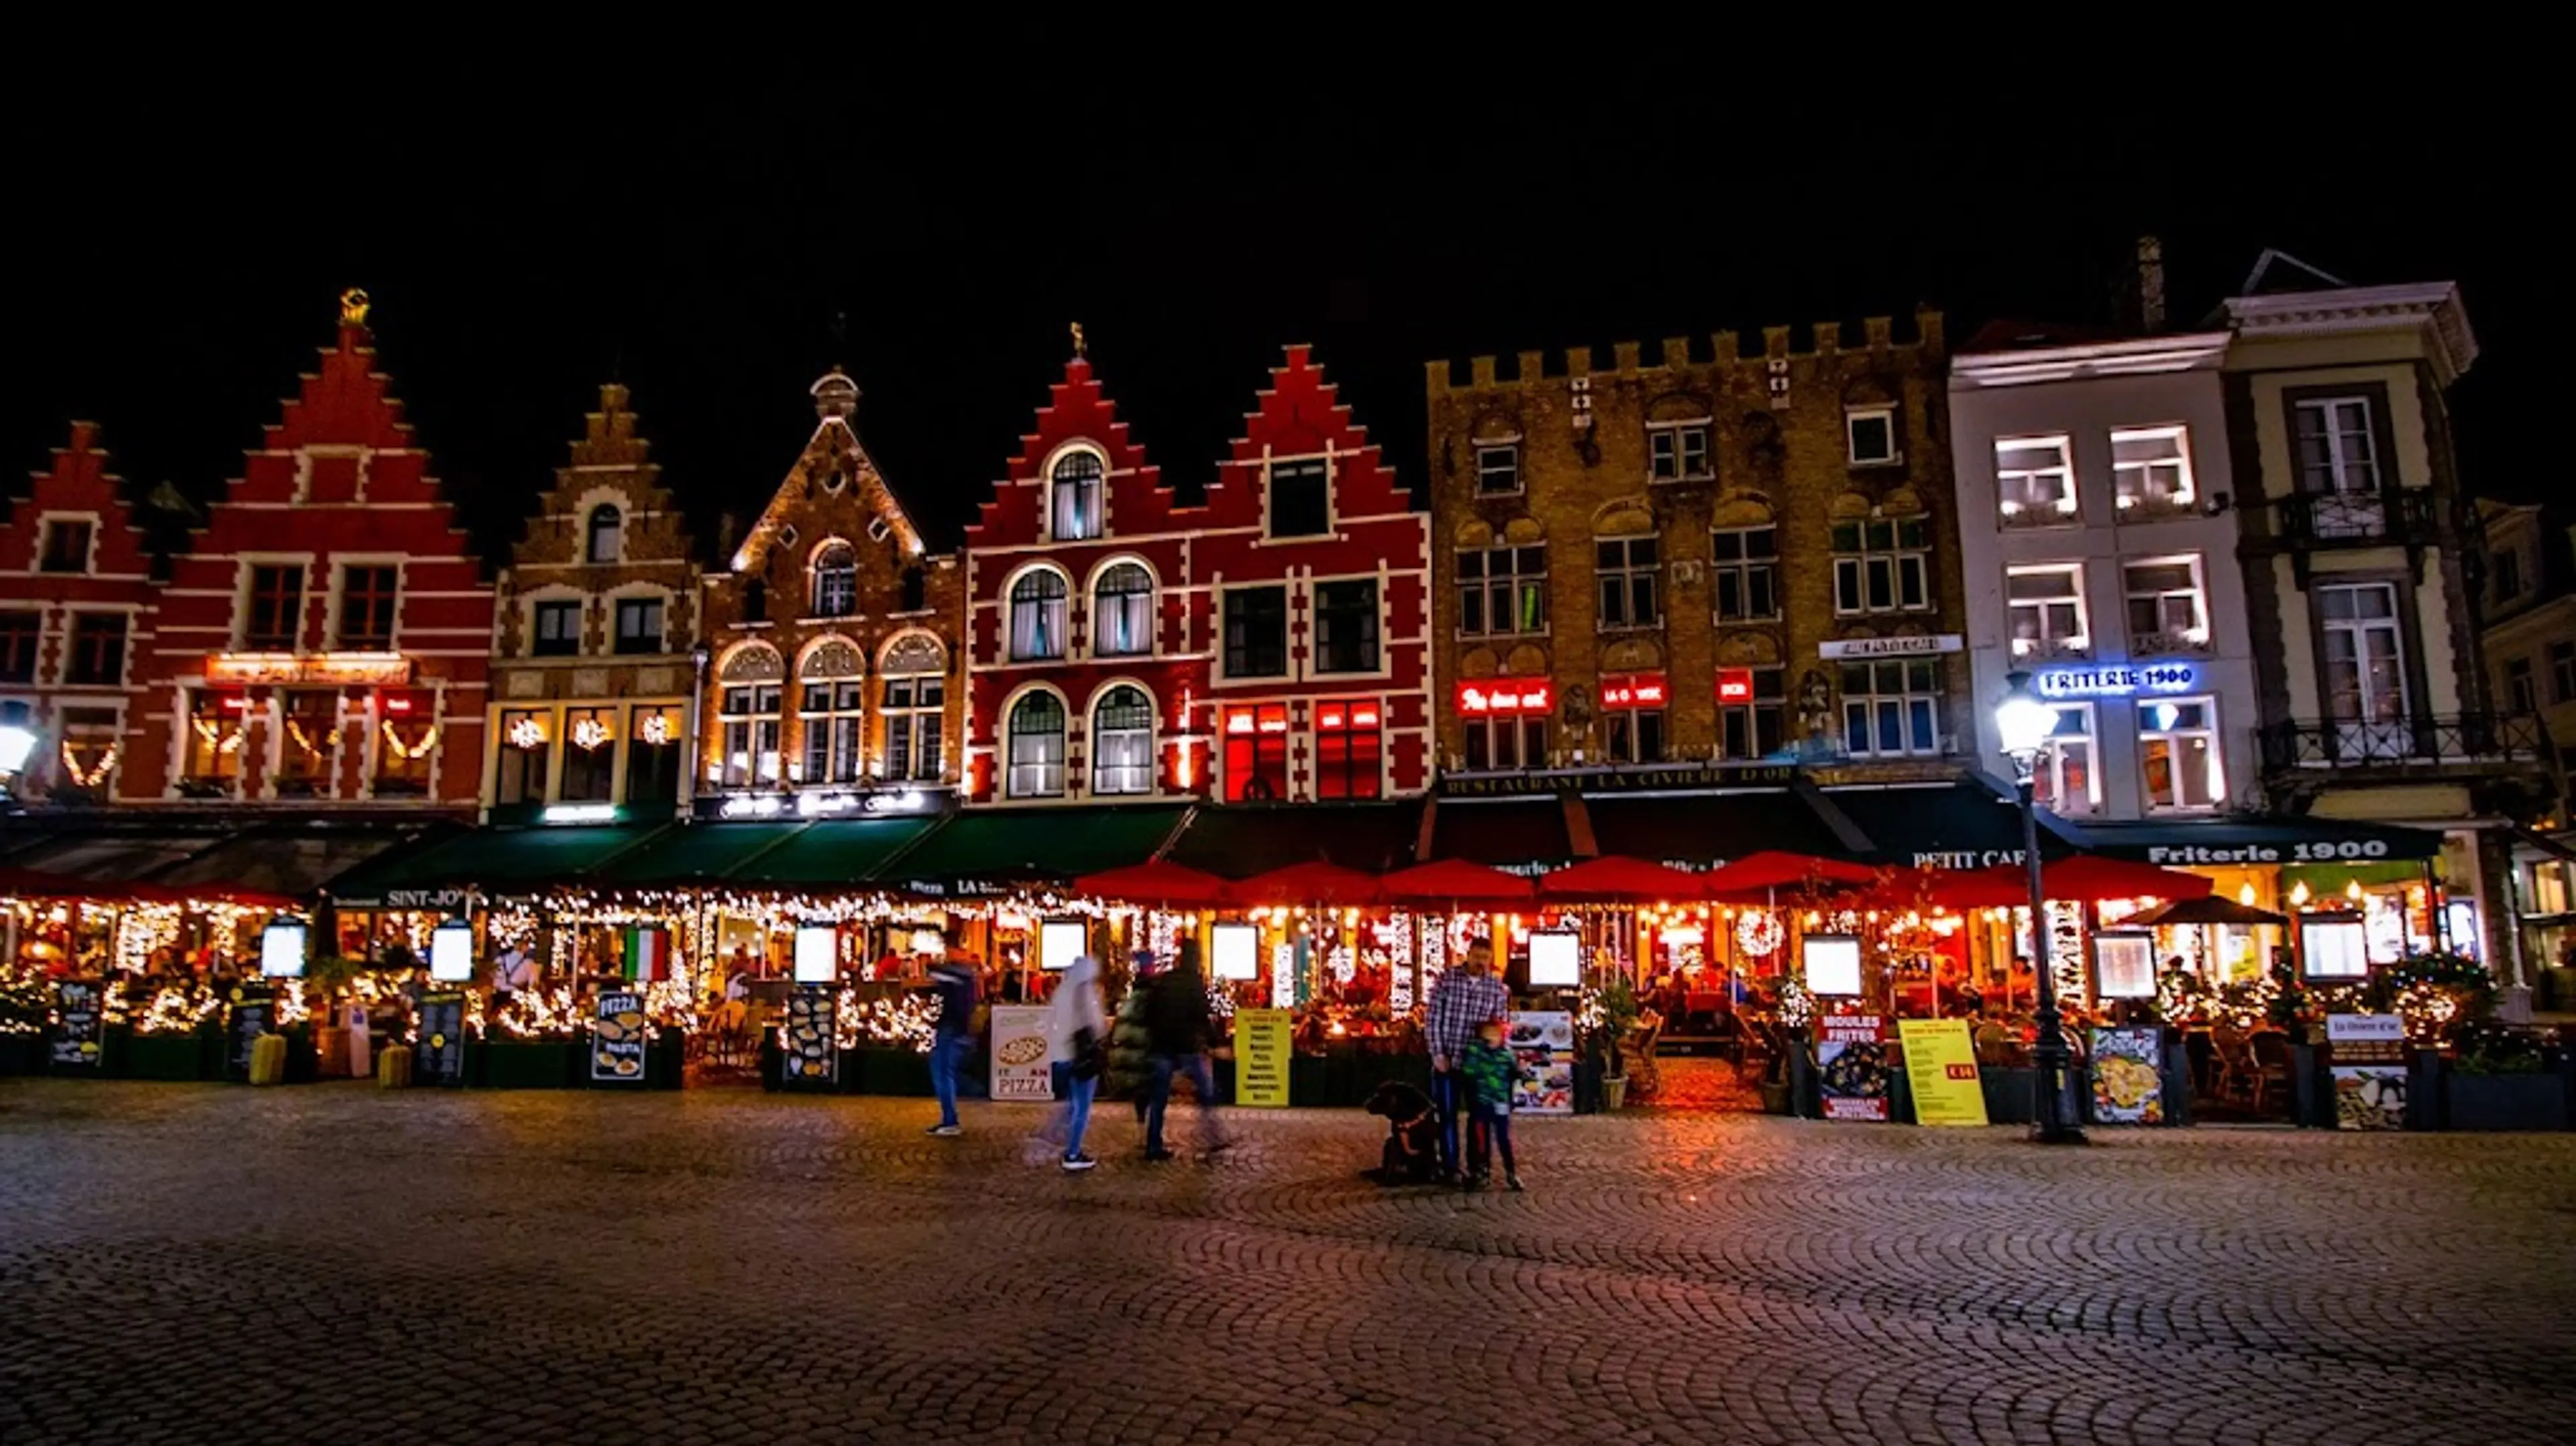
(1122, 743)
(828, 714)
(21, 638)
(2047, 607)
(406, 736)
(97, 657)
(276, 614)
(1744, 566)
(1256, 632)
(558, 630)
(653, 755)
(1256, 754)
(89, 751)
(1892, 709)
(639, 625)
(1635, 735)
(66, 547)
(2167, 611)
(1498, 470)
(1882, 565)
(527, 755)
(1346, 626)
(2337, 449)
(912, 714)
(2505, 566)
(1756, 727)
(2178, 753)
(2562, 672)
(1502, 592)
(215, 734)
(2065, 780)
(1300, 499)
(750, 716)
(1871, 433)
(1677, 451)
(1506, 745)
(1627, 569)
(2151, 472)
(590, 756)
(309, 754)
(2365, 657)
(2034, 481)
(1076, 513)
(2519, 692)
(1349, 747)
(367, 608)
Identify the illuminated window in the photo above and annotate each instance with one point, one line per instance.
(607, 534)
(367, 608)
(2178, 753)
(590, 755)
(1502, 591)
(2034, 481)
(1300, 499)
(91, 747)
(1037, 616)
(1870, 433)
(1882, 565)
(406, 737)
(2151, 470)
(214, 742)
(836, 582)
(828, 712)
(1891, 709)
(526, 757)
(1075, 510)
(1256, 632)
(96, 657)
(1498, 469)
(2337, 449)
(653, 736)
(2046, 604)
(1628, 570)
(1349, 748)
(557, 630)
(21, 638)
(1755, 725)
(1677, 451)
(750, 717)
(1122, 612)
(1744, 571)
(66, 545)
(913, 707)
(1122, 742)
(2064, 778)
(275, 617)
(1346, 626)
(308, 755)
(2167, 612)
(1256, 754)
(1037, 747)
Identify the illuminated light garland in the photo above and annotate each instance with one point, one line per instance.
(655, 729)
(1759, 934)
(1283, 975)
(216, 737)
(590, 735)
(410, 752)
(88, 777)
(304, 740)
(527, 734)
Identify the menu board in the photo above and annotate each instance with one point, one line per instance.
(1262, 1049)
(617, 1034)
(1852, 1067)
(439, 1055)
(2368, 1052)
(1941, 1070)
(809, 1054)
(250, 1013)
(1542, 1046)
(2128, 1077)
(1020, 1068)
(79, 1018)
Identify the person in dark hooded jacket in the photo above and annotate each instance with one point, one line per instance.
(1177, 1031)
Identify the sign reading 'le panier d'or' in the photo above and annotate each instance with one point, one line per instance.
(330, 670)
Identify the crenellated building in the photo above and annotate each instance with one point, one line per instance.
(76, 611)
(595, 680)
(833, 683)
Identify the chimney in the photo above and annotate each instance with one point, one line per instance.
(2151, 285)
(728, 527)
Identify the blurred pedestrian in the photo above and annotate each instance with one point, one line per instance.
(952, 982)
(1178, 1031)
(1076, 1028)
(1465, 1000)
(1131, 1049)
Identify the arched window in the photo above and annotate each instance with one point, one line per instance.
(1122, 612)
(1037, 747)
(836, 581)
(828, 708)
(1122, 742)
(1076, 505)
(1037, 616)
(914, 703)
(748, 711)
(607, 534)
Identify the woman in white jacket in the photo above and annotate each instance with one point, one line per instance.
(1077, 1031)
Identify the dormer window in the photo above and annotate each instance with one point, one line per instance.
(1075, 508)
(836, 581)
(607, 534)
(66, 545)
(1300, 499)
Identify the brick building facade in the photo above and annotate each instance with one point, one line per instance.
(76, 610)
(594, 680)
(834, 676)
(1722, 557)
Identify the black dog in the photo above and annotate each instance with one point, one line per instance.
(1412, 1152)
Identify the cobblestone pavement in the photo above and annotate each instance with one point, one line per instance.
(333, 1263)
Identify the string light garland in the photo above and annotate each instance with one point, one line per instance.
(304, 740)
(527, 734)
(590, 735)
(1759, 934)
(217, 737)
(655, 729)
(88, 777)
(410, 752)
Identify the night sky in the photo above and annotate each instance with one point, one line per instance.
(527, 236)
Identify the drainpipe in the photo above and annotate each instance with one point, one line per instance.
(691, 747)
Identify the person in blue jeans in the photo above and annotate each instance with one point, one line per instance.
(1466, 999)
(1077, 1030)
(952, 982)
(1177, 1025)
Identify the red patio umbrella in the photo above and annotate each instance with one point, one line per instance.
(2090, 878)
(1156, 881)
(1752, 878)
(1616, 879)
(1998, 887)
(1455, 881)
(1313, 883)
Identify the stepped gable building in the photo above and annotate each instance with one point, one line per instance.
(594, 682)
(1088, 642)
(76, 609)
(834, 679)
(1721, 558)
(324, 640)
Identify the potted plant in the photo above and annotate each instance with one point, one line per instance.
(1608, 1014)
(2500, 1078)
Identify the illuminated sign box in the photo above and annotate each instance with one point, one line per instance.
(2334, 946)
(2124, 964)
(1735, 685)
(2116, 680)
(1641, 690)
(1238, 951)
(329, 670)
(1487, 698)
(1060, 942)
(1555, 959)
(818, 950)
(1833, 965)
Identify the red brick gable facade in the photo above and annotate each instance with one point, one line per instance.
(326, 636)
(75, 616)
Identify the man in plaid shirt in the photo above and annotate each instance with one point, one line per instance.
(1466, 999)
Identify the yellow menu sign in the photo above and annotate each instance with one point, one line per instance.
(1941, 1066)
(1261, 1053)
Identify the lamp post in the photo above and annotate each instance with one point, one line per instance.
(17, 744)
(2022, 726)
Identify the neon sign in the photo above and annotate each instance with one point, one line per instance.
(1639, 690)
(1490, 699)
(329, 669)
(1735, 685)
(2117, 680)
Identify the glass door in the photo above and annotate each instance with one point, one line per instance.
(2365, 656)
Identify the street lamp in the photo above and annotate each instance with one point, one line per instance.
(2022, 726)
(17, 742)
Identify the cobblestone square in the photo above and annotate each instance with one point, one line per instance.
(335, 1263)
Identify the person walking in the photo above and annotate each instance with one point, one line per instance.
(1466, 999)
(1131, 1048)
(1490, 1071)
(1177, 1032)
(952, 982)
(1075, 1026)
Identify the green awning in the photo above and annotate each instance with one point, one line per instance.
(1240, 840)
(486, 860)
(836, 853)
(694, 853)
(986, 851)
(2255, 841)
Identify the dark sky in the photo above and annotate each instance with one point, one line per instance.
(527, 234)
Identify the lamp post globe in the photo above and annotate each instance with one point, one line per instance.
(2022, 726)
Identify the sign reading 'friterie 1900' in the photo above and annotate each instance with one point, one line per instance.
(2116, 680)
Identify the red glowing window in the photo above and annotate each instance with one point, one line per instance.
(1256, 754)
(1348, 748)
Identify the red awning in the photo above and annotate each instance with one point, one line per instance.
(1315, 883)
(1750, 880)
(37, 884)
(1615, 879)
(1999, 887)
(2090, 878)
(2082, 879)
(1156, 881)
(1456, 881)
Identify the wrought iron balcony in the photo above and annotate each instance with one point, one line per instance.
(2404, 515)
(2420, 743)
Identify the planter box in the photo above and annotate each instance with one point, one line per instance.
(523, 1064)
(25, 1053)
(2012, 1095)
(2505, 1101)
(897, 1072)
(164, 1056)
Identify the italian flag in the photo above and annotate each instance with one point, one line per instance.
(648, 954)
